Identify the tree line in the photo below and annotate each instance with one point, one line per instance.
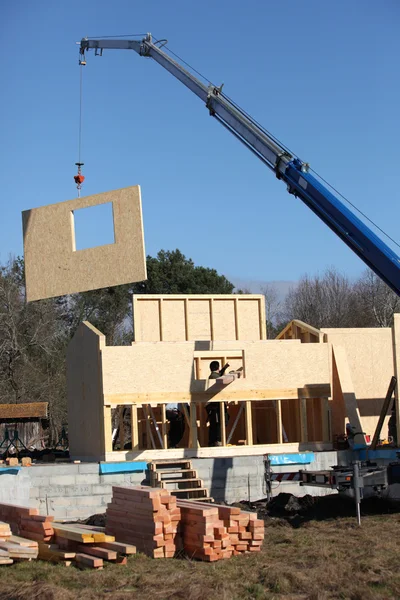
(331, 299)
(34, 337)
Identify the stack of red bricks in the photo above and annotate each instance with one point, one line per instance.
(145, 517)
(27, 522)
(213, 532)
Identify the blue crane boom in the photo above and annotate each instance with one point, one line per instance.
(287, 167)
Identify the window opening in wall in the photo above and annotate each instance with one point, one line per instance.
(93, 226)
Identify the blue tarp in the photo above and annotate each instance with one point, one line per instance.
(298, 458)
(122, 467)
(9, 470)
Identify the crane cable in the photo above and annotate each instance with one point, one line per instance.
(79, 178)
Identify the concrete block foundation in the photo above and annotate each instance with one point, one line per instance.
(76, 491)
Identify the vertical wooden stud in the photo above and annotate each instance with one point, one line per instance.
(164, 425)
(203, 425)
(278, 409)
(222, 421)
(134, 427)
(187, 331)
(249, 428)
(121, 427)
(197, 362)
(237, 324)
(107, 429)
(160, 306)
(211, 319)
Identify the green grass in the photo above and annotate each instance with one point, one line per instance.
(318, 561)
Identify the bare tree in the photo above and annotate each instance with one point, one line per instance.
(376, 302)
(273, 309)
(32, 348)
(321, 301)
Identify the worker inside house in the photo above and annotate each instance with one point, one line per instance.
(213, 408)
(176, 424)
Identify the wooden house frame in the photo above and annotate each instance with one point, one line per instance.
(278, 398)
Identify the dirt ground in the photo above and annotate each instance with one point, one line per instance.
(312, 551)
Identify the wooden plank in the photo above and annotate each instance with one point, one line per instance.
(24, 410)
(134, 427)
(73, 533)
(164, 426)
(160, 315)
(187, 330)
(108, 444)
(104, 553)
(278, 408)
(203, 426)
(228, 394)
(53, 553)
(211, 309)
(119, 547)
(222, 421)
(16, 539)
(249, 428)
(228, 451)
(236, 312)
(85, 560)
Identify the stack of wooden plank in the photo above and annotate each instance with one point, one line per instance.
(212, 532)
(88, 546)
(40, 537)
(14, 548)
(146, 517)
(27, 522)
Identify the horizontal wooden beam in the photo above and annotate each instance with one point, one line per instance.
(217, 393)
(221, 451)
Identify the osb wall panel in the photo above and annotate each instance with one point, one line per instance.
(169, 367)
(52, 265)
(369, 354)
(84, 392)
(224, 321)
(178, 318)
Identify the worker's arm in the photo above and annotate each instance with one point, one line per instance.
(224, 368)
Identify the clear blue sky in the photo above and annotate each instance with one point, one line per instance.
(323, 77)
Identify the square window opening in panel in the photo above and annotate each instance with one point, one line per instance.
(93, 226)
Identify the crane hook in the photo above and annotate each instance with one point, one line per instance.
(79, 178)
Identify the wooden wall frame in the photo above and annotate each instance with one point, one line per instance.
(178, 318)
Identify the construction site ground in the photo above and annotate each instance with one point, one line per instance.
(313, 550)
